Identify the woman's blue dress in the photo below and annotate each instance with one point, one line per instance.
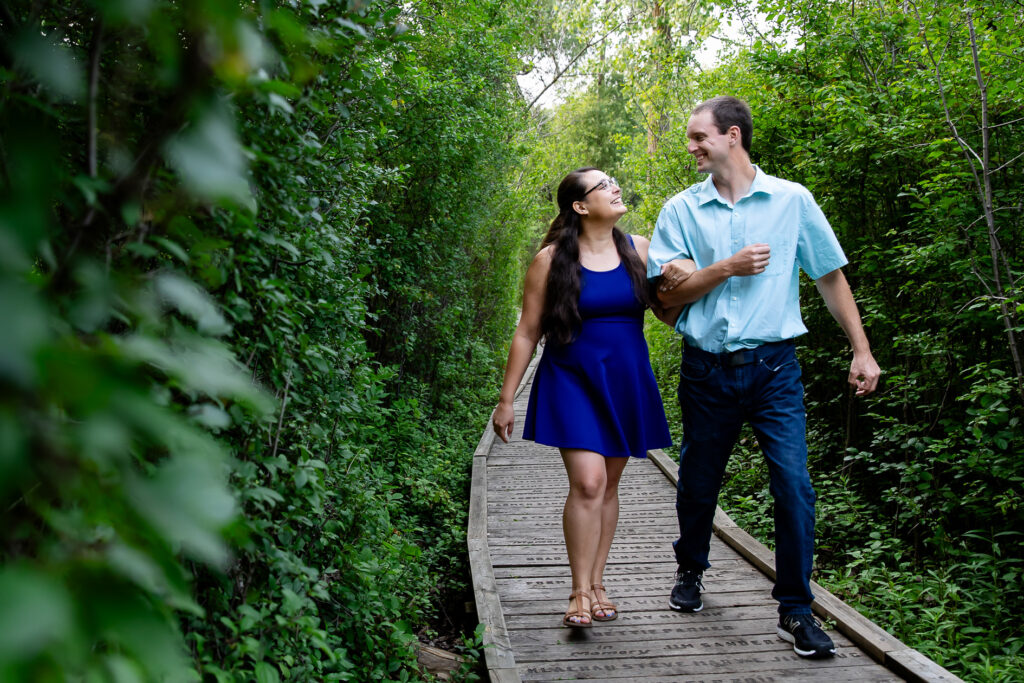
(598, 392)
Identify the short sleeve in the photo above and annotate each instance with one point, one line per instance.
(817, 251)
(667, 243)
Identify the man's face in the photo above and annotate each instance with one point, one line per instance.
(707, 145)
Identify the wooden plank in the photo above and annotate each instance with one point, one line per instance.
(638, 668)
(554, 507)
(498, 651)
(736, 645)
(622, 587)
(665, 570)
(546, 489)
(733, 636)
(644, 603)
(705, 621)
(914, 666)
(864, 675)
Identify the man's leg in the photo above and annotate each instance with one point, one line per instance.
(711, 424)
(779, 421)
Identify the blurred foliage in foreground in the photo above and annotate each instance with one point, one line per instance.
(238, 243)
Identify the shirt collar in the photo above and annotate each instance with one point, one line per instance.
(709, 193)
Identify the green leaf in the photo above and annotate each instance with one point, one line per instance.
(265, 673)
(192, 301)
(52, 64)
(209, 159)
(35, 612)
(188, 502)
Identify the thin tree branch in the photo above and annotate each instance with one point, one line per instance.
(996, 170)
(572, 61)
(280, 418)
(95, 51)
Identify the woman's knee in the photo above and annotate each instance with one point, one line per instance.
(589, 486)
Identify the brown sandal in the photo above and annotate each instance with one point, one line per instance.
(578, 613)
(605, 605)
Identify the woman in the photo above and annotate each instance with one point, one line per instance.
(594, 396)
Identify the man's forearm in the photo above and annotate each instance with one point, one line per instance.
(864, 371)
(835, 290)
(697, 285)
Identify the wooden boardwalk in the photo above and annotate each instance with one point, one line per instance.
(522, 582)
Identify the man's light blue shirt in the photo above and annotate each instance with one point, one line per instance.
(746, 311)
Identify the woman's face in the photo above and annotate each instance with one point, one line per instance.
(603, 198)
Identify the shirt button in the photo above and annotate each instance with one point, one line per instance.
(734, 298)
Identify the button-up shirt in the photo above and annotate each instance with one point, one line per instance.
(746, 311)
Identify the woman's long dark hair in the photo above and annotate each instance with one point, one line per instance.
(561, 321)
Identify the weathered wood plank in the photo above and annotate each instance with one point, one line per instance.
(915, 666)
(739, 636)
(549, 507)
(639, 668)
(705, 621)
(643, 603)
(498, 652)
(664, 569)
(635, 585)
(849, 674)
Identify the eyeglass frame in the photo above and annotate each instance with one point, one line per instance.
(607, 182)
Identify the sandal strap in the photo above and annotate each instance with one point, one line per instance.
(605, 605)
(579, 611)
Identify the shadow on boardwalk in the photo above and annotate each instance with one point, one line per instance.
(521, 579)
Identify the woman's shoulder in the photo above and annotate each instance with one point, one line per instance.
(639, 241)
(545, 255)
(641, 245)
(542, 260)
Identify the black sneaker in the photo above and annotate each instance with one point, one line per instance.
(686, 593)
(804, 631)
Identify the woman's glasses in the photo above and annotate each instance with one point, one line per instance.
(602, 185)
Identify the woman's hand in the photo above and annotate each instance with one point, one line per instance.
(504, 418)
(674, 272)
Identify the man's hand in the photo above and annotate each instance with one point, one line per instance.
(750, 260)
(864, 373)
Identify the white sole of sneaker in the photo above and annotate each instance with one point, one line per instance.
(680, 609)
(810, 654)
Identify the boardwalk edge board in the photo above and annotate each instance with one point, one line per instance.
(501, 663)
(874, 640)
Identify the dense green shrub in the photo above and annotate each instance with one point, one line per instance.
(255, 263)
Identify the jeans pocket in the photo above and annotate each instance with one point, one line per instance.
(695, 369)
(776, 369)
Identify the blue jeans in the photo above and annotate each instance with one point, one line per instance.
(717, 397)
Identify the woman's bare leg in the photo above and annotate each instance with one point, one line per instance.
(609, 521)
(582, 516)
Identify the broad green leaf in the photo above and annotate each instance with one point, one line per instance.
(35, 611)
(188, 298)
(51, 63)
(208, 158)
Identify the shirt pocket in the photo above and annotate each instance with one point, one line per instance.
(782, 242)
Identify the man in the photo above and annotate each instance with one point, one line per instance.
(748, 234)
